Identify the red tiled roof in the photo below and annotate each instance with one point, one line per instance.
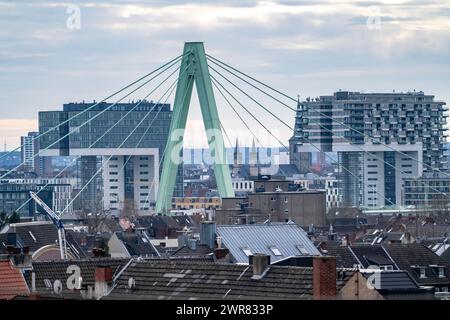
(12, 282)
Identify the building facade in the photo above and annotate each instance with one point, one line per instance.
(130, 178)
(29, 149)
(429, 191)
(358, 127)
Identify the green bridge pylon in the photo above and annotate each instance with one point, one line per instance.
(194, 59)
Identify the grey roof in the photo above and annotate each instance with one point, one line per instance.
(392, 280)
(260, 238)
(193, 279)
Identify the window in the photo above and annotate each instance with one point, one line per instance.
(275, 251)
(423, 272)
(441, 272)
(301, 248)
(247, 251)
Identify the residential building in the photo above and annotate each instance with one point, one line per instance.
(273, 201)
(276, 240)
(129, 180)
(131, 243)
(368, 131)
(12, 281)
(430, 190)
(29, 150)
(41, 239)
(187, 203)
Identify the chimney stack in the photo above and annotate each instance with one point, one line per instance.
(103, 278)
(324, 278)
(192, 244)
(208, 233)
(261, 263)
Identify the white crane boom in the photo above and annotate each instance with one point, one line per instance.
(56, 221)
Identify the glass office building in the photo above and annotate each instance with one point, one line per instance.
(148, 141)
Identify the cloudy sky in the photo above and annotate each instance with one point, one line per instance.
(305, 48)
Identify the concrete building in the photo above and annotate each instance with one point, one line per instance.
(187, 203)
(29, 148)
(428, 191)
(272, 201)
(129, 181)
(357, 125)
(56, 191)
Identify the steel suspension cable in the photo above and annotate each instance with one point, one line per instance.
(239, 116)
(104, 134)
(256, 119)
(88, 121)
(215, 80)
(321, 113)
(96, 104)
(120, 146)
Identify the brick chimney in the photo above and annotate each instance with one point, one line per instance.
(103, 278)
(324, 278)
(261, 263)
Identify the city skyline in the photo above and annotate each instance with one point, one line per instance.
(300, 47)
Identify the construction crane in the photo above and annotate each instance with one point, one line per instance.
(57, 222)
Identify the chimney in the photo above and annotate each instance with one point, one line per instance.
(324, 277)
(103, 278)
(11, 239)
(208, 233)
(261, 263)
(192, 244)
(222, 253)
(182, 240)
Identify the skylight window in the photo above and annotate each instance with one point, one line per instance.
(275, 251)
(247, 251)
(302, 250)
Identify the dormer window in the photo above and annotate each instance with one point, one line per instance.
(423, 272)
(441, 272)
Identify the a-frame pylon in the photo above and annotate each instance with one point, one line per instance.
(194, 59)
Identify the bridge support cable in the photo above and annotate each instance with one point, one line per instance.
(87, 121)
(251, 98)
(389, 164)
(253, 116)
(239, 116)
(171, 62)
(256, 119)
(123, 142)
(217, 61)
(92, 145)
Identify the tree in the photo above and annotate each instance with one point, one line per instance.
(14, 218)
(7, 219)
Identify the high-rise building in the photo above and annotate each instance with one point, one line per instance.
(130, 178)
(372, 134)
(29, 149)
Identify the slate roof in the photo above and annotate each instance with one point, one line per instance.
(344, 258)
(185, 251)
(188, 279)
(36, 235)
(393, 280)
(12, 282)
(406, 256)
(369, 255)
(287, 238)
(137, 244)
(57, 270)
